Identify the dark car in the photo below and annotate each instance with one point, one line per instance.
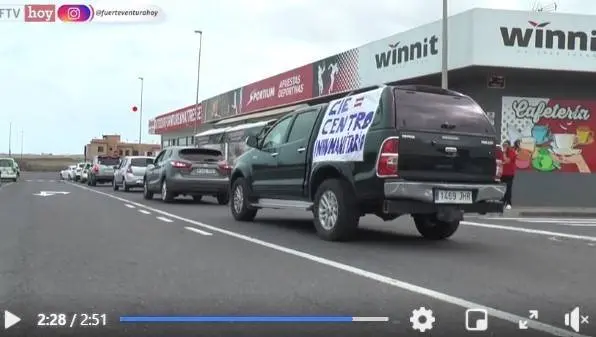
(102, 170)
(188, 171)
(389, 151)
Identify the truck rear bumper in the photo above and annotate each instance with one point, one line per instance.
(419, 197)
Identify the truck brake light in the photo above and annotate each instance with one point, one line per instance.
(388, 158)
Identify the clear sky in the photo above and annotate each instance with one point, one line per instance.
(63, 84)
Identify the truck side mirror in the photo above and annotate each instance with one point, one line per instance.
(252, 141)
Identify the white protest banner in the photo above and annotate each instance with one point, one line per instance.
(343, 130)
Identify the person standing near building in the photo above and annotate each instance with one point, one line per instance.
(509, 157)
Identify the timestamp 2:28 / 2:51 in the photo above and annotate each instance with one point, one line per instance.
(71, 320)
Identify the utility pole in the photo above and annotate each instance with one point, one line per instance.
(10, 139)
(141, 111)
(22, 138)
(445, 49)
(200, 32)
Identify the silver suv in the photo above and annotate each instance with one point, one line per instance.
(130, 172)
(102, 170)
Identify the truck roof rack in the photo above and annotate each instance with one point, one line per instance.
(429, 89)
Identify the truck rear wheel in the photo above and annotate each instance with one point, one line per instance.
(434, 229)
(336, 211)
(239, 204)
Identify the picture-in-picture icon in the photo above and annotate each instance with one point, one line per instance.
(476, 320)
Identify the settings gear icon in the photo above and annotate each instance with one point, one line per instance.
(422, 319)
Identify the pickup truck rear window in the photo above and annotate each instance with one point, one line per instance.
(5, 163)
(108, 161)
(141, 162)
(426, 111)
(200, 154)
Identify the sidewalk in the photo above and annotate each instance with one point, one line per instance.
(556, 212)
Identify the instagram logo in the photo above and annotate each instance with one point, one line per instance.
(75, 13)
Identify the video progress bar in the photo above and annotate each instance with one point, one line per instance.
(251, 319)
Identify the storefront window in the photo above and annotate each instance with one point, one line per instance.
(182, 141)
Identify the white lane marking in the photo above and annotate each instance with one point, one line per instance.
(164, 219)
(592, 244)
(546, 220)
(129, 205)
(5, 185)
(144, 211)
(506, 316)
(196, 230)
(530, 231)
(28, 180)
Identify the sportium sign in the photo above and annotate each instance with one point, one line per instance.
(542, 35)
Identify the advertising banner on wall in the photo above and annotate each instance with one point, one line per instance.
(537, 40)
(151, 126)
(177, 120)
(554, 134)
(292, 86)
(225, 105)
(337, 73)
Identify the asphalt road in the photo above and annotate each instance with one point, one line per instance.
(93, 250)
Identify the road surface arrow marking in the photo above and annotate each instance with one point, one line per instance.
(10, 319)
(533, 314)
(50, 193)
(522, 325)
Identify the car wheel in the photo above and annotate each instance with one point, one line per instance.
(336, 211)
(223, 198)
(197, 197)
(239, 206)
(125, 186)
(166, 195)
(431, 228)
(147, 194)
(114, 185)
(14, 180)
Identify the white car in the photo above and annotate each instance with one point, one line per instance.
(9, 170)
(79, 171)
(85, 173)
(66, 173)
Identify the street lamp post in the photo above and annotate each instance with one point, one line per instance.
(196, 122)
(444, 50)
(141, 111)
(10, 139)
(22, 139)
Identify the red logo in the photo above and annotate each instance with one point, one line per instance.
(538, 24)
(40, 13)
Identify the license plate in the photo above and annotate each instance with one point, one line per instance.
(453, 197)
(202, 171)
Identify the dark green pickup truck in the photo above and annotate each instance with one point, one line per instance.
(389, 151)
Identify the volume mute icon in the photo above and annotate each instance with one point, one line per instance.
(10, 319)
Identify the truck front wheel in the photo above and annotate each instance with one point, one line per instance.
(434, 229)
(239, 204)
(336, 211)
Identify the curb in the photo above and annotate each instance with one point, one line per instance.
(557, 214)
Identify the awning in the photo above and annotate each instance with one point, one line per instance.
(257, 115)
(212, 132)
(248, 125)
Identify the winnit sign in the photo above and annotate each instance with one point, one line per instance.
(399, 53)
(539, 35)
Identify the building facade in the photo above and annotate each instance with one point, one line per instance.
(532, 72)
(112, 145)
